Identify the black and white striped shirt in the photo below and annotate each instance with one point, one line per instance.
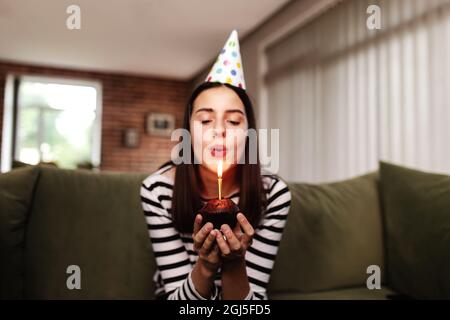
(174, 252)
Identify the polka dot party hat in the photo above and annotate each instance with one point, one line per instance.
(228, 66)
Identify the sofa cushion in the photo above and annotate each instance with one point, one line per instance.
(333, 233)
(93, 221)
(417, 209)
(16, 193)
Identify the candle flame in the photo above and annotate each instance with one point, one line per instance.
(219, 169)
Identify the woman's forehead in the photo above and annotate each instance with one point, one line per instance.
(218, 100)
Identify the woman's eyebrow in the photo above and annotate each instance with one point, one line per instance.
(234, 110)
(204, 109)
(226, 111)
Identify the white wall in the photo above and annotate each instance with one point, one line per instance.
(367, 96)
(294, 14)
(345, 96)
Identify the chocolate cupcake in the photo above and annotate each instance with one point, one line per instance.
(220, 212)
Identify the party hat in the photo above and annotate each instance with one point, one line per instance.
(228, 66)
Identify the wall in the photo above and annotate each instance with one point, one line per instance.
(289, 17)
(126, 101)
(348, 96)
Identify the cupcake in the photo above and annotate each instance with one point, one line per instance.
(220, 212)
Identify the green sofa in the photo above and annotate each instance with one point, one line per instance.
(397, 219)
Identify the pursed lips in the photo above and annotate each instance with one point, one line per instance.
(218, 151)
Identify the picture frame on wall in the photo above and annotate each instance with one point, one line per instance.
(131, 138)
(160, 124)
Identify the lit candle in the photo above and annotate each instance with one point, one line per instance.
(219, 178)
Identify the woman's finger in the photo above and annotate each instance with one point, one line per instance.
(223, 245)
(245, 224)
(233, 242)
(249, 232)
(197, 224)
(237, 230)
(209, 241)
(201, 235)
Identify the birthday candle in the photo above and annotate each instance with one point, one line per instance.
(219, 178)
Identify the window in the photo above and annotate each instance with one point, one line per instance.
(55, 121)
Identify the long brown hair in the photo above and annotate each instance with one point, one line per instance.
(186, 201)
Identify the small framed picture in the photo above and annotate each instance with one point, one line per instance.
(131, 138)
(160, 124)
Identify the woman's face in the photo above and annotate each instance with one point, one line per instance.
(218, 128)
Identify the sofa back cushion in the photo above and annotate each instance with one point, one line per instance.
(93, 221)
(333, 233)
(16, 195)
(417, 209)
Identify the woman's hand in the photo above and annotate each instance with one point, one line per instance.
(205, 245)
(236, 243)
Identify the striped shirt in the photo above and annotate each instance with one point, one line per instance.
(174, 253)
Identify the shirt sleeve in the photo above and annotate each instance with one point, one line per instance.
(260, 256)
(172, 259)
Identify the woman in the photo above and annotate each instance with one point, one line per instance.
(196, 261)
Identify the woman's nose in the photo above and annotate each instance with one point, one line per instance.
(219, 130)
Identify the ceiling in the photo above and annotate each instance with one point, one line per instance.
(164, 38)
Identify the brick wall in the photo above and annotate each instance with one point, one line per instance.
(126, 101)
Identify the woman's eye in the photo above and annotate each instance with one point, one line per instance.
(234, 123)
(206, 121)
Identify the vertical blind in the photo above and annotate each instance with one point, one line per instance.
(345, 97)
